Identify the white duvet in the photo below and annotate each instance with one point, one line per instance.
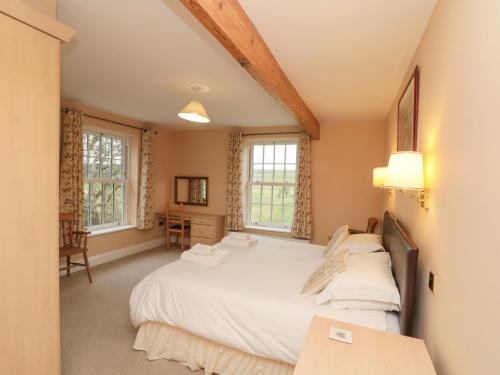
(252, 302)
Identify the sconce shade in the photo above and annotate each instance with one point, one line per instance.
(194, 112)
(379, 176)
(405, 171)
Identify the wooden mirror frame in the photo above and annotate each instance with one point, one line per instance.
(190, 177)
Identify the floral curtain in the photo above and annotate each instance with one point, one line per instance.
(145, 209)
(302, 219)
(234, 204)
(71, 165)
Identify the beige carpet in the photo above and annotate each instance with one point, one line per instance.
(96, 333)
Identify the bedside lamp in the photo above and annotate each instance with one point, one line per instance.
(405, 172)
(379, 177)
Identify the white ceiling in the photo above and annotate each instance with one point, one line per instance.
(136, 58)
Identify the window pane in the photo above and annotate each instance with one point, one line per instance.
(277, 195)
(95, 194)
(268, 173)
(119, 202)
(257, 173)
(117, 149)
(268, 153)
(93, 145)
(289, 199)
(291, 153)
(255, 213)
(95, 215)
(255, 194)
(85, 166)
(106, 168)
(279, 173)
(106, 147)
(93, 171)
(108, 214)
(266, 194)
(277, 214)
(107, 192)
(85, 193)
(279, 154)
(266, 214)
(288, 216)
(86, 215)
(117, 169)
(84, 144)
(258, 153)
(290, 173)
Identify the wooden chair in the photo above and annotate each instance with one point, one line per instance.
(175, 223)
(73, 242)
(370, 228)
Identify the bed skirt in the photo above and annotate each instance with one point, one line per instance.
(160, 340)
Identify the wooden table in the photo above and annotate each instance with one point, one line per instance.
(372, 352)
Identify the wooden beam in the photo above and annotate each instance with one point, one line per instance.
(228, 22)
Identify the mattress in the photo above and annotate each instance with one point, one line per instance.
(251, 303)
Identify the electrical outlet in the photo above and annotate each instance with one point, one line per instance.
(432, 281)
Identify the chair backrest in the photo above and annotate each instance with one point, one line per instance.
(67, 222)
(179, 212)
(372, 224)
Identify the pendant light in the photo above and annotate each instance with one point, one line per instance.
(194, 111)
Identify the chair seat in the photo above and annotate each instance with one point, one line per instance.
(65, 251)
(178, 226)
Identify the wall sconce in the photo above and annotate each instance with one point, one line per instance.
(405, 172)
(379, 178)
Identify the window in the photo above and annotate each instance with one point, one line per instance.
(105, 179)
(271, 190)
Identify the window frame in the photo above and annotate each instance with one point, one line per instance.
(124, 180)
(249, 151)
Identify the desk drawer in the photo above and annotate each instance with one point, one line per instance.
(204, 241)
(203, 221)
(204, 231)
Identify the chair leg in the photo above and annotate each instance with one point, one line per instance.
(182, 241)
(68, 264)
(168, 239)
(87, 266)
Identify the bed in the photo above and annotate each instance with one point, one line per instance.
(247, 316)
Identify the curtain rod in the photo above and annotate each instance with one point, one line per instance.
(112, 121)
(283, 133)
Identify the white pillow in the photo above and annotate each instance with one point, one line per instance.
(367, 277)
(338, 237)
(363, 305)
(362, 243)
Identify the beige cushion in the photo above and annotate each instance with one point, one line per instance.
(319, 279)
(338, 237)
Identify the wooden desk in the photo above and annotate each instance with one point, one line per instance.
(206, 228)
(371, 352)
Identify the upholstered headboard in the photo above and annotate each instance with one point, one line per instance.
(404, 255)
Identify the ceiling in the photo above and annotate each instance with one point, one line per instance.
(346, 58)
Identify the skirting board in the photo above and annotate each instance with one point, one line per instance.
(117, 254)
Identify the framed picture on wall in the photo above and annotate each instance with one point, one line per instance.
(408, 114)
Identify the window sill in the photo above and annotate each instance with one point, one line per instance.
(118, 228)
(269, 231)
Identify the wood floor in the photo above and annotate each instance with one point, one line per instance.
(96, 333)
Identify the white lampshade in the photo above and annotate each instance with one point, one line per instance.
(379, 176)
(405, 171)
(194, 112)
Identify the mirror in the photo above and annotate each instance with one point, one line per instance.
(191, 190)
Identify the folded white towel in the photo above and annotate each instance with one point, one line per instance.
(240, 236)
(201, 249)
(219, 256)
(236, 242)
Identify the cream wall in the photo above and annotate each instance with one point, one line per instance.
(342, 162)
(459, 132)
(341, 172)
